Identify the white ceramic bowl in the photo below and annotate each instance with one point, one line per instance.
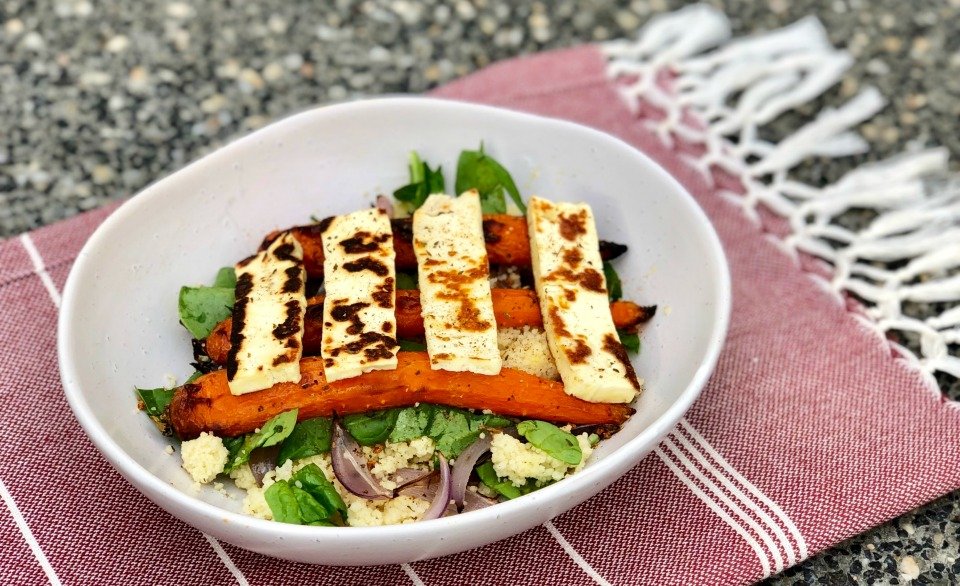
(118, 325)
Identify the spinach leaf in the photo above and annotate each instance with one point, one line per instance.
(226, 277)
(493, 420)
(156, 401)
(423, 182)
(308, 498)
(551, 439)
(283, 502)
(272, 433)
(372, 427)
(276, 429)
(202, 308)
(478, 170)
(308, 438)
(233, 445)
(434, 179)
(412, 345)
(504, 488)
(614, 287)
(323, 524)
(312, 480)
(311, 511)
(453, 430)
(406, 281)
(412, 422)
(630, 341)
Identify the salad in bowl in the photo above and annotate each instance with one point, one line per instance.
(424, 357)
(374, 429)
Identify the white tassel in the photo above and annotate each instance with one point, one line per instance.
(743, 85)
(948, 319)
(800, 144)
(806, 33)
(680, 34)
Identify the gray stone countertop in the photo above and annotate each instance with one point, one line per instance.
(101, 98)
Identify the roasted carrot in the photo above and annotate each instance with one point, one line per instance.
(513, 308)
(207, 405)
(507, 240)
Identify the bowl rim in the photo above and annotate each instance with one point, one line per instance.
(624, 457)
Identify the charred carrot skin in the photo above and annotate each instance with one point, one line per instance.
(508, 243)
(513, 308)
(207, 405)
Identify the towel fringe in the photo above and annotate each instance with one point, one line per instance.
(716, 93)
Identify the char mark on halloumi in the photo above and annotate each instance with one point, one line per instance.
(267, 333)
(454, 272)
(359, 323)
(568, 272)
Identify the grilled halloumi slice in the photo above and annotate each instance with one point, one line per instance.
(568, 272)
(359, 319)
(267, 336)
(458, 320)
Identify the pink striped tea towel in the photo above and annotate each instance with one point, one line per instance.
(813, 428)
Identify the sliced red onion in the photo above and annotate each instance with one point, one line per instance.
(440, 501)
(384, 203)
(424, 488)
(474, 501)
(262, 461)
(471, 502)
(350, 470)
(406, 476)
(463, 467)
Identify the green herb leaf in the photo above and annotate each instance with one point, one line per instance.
(272, 433)
(434, 179)
(283, 502)
(311, 511)
(197, 374)
(630, 341)
(478, 170)
(156, 401)
(233, 445)
(614, 287)
(504, 488)
(551, 439)
(323, 524)
(493, 420)
(202, 308)
(313, 480)
(412, 345)
(276, 429)
(415, 165)
(371, 428)
(308, 498)
(423, 182)
(308, 438)
(226, 277)
(410, 194)
(406, 281)
(412, 422)
(453, 430)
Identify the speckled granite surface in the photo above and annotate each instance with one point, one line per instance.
(99, 99)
